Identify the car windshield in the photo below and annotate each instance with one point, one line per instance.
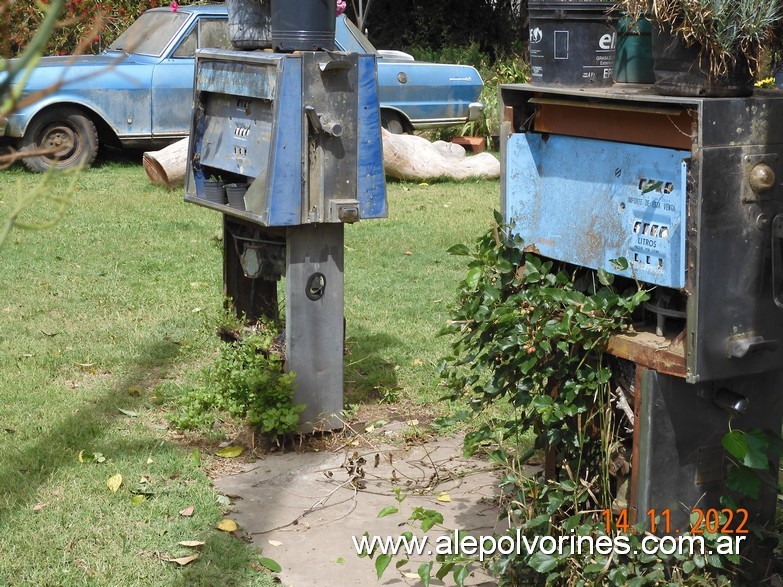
(351, 39)
(150, 34)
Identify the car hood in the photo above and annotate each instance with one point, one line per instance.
(81, 70)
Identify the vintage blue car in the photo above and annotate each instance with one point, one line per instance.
(138, 93)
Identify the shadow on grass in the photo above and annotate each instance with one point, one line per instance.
(369, 373)
(30, 465)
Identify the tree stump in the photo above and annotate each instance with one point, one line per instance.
(406, 157)
(167, 166)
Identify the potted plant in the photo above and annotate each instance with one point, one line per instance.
(711, 47)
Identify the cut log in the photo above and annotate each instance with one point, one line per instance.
(167, 166)
(406, 157)
(413, 158)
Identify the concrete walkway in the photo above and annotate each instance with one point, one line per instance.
(303, 508)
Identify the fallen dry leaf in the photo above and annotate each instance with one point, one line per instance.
(444, 497)
(409, 252)
(227, 525)
(191, 543)
(185, 560)
(275, 543)
(230, 452)
(39, 506)
(114, 482)
(188, 511)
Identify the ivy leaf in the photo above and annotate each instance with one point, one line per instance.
(381, 563)
(758, 446)
(387, 511)
(538, 521)
(270, 564)
(735, 444)
(542, 563)
(425, 573)
(605, 277)
(473, 277)
(431, 518)
(460, 249)
(619, 264)
(775, 444)
(444, 570)
(744, 481)
(461, 574)
(749, 447)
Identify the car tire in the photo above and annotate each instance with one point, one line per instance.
(392, 122)
(69, 134)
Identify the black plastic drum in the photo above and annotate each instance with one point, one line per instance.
(303, 25)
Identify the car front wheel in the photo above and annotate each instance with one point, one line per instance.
(392, 122)
(60, 138)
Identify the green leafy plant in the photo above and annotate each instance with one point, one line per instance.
(247, 381)
(724, 31)
(529, 334)
(750, 465)
(91, 23)
(505, 70)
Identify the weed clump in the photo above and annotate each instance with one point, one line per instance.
(247, 381)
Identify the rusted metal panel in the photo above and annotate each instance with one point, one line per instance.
(589, 202)
(651, 351)
(672, 128)
(633, 513)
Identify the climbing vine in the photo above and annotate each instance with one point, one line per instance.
(528, 339)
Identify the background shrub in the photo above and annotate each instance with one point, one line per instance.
(21, 18)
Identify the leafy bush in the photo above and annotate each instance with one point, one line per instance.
(96, 22)
(507, 70)
(531, 332)
(247, 381)
(497, 26)
(466, 54)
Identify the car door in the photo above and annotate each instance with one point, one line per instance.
(427, 93)
(172, 80)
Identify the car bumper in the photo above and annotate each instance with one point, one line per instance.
(475, 112)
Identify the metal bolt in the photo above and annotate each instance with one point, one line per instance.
(762, 178)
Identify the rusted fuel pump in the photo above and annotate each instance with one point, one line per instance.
(295, 136)
(690, 192)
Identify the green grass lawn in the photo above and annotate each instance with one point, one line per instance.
(125, 292)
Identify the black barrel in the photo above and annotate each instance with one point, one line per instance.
(249, 23)
(572, 43)
(303, 25)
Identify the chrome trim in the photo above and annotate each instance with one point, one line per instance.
(475, 110)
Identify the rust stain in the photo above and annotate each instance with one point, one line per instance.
(649, 351)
